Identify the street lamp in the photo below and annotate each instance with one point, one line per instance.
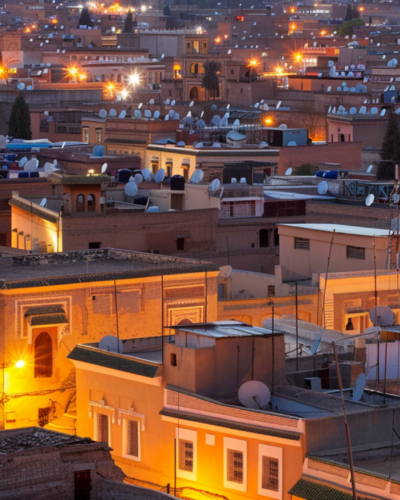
(19, 364)
(134, 79)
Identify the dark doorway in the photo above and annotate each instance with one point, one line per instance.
(43, 356)
(264, 238)
(83, 484)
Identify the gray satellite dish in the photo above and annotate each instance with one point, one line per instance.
(156, 114)
(214, 186)
(138, 178)
(360, 386)
(166, 118)
(289, 171)
(322, 187)
(140, 105)
(151, 101)
(131, 188)
(160, 175)
(171, 113)
(111, 344)
(3, 142)
(196, 177)
(122, 114)
(369, 169)
(113, 113)
(254, 394)
(173, 102)
(22, 161)
(104, 168)
(137, 113)
(43, 202)
(152, 210)
(396, 198)
(146, 174)
(176, 116)
(381, 316)
(369, 200)
(48, 168)
(191, 104)
(21, 86)
(103, 113)
(147, 113)
(30, 165)
(314, 350)
(233, 180)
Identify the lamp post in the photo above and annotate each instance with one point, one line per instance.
(18, 364)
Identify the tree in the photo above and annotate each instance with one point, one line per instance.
(85, 18)
(128, 26)
(349, 13)
(210, 80)
(346, 29)
(390, 150)
(19, 125)
(306, 169)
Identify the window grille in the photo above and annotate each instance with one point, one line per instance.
(270, 474)
(301, 244)
(102, 428)
(185, 455)
(235, 466)
(133, 438)
(356, 253)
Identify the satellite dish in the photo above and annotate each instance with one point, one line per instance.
(48, 168)
(160, 175)
(137, 113)
(22, 161)
(381, 316)
(122, 114)
(104, 168)
(153, 209)
(214, 186)
(103, 113)
(138, 178)
(111, 344)
(113, 113)
(21, 86)
(314, 350)
(322, 187)
(147, 113)
(254, 394)
(191, 104)
(369, 200)
(289, 171)
(369, 169)
(131, 188)
(396, 198)
(173, 102)
(30, 165)
(140, 105)
(151, 101)
(156, 114)
(196, 177)
(360, 386)
(146, 174)
(43, 202)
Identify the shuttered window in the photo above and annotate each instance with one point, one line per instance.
(132, 438)
(270, 474)
(102, 428)
(235, 466)
(185, 455)
(43, 356)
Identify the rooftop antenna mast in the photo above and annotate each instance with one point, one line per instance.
(326, 279)
(376, 311)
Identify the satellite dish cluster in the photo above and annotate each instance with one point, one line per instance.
(342, 111)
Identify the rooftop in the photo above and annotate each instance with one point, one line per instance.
(85, 266)
(223, 329)
(339, 228)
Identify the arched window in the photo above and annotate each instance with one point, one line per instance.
(43, 356)
(91, 202)
(80, 203)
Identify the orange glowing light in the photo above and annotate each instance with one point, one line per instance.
(110, 87)
(293, 27)
(72, 71)
(177, 67)
(323, 33)
(298, 57)
(217, 40)
(34, 26)
(54, 21)
(361, 9)
(279, 70)
(268, 121)
(3, 71)
(82, 76)
(20, 363)
(292, 10)
(27, 30)
(253, 62)
(225, 36)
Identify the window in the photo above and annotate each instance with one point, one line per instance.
(43, 356)
(44, 416)
(132, 438)
(276, 238)
(173, 359)
(180, 243)
(185, 455)
(91, 201)
(102, 432)
(82, 484)
(235, 464)
(80, 203)
(356, 253)
(301, 244)
(271, 290)
(98, 135)
(270, 471)
(186, 451)
(94, 244)
(264, 238)
(85, 131)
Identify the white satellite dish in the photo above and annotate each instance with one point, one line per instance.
(140, 105)
(153, 209)
(22, 161)
(103, 113)
(111, 344)
(160, 175)
(381, 316)
(48, 168)
(214, 186)
(173, 102)
(369, 169)
(131, 188)
(146, 174)
(322, 187)
(360, 386)
(122, 114)
(191, 104)
(196, 177)
(369, 200)
(43, 202)
(233, 180)
(138, 178)
(113, 113)
(104, 168)
(289, 171)
(147, 113)
(254, 394)
(21, 86)
(278, 105)
(151, 101)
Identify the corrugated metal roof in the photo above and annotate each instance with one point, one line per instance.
(115, 361)
(223, 329)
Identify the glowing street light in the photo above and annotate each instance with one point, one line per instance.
(143, 8)
(20, 363)
(298, 57)
(253, 62)
(278, 70)
(217, 40)
(124, 94)
(268, 121)
(323, 33)
(134, 79)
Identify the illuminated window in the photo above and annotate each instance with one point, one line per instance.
(301, 244)
(98, 135)
(186, 451)
(185, 455)
(43, 356)
(91, 201)
(235, 466)
(132, 436)
(85, 134)
(102, 428)
(356, 253)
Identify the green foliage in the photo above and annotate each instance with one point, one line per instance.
(210, 79)
(346, 29)
(19, 125)
(85, 18)
(128, 26)
(306, 169)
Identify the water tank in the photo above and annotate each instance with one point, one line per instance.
(177, 183)
(33, 174)
(320, 173)
(124, 175)
(141, 200)
(331, 174)
(23, 175)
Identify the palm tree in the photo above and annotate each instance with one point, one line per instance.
(210, 80)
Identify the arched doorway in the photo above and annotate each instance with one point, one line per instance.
(43, 356)
(185, 321)
(194, 94)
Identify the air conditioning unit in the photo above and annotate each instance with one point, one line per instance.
(313, 383)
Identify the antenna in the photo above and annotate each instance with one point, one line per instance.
(131, 188)
(111, 344)
(322, 187)
(196, 177)
(369, 200)
(104, 168)
(43, 202)
(359, 388)
(289, 171)
(254, 394)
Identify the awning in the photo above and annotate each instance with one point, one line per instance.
(46, 315)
